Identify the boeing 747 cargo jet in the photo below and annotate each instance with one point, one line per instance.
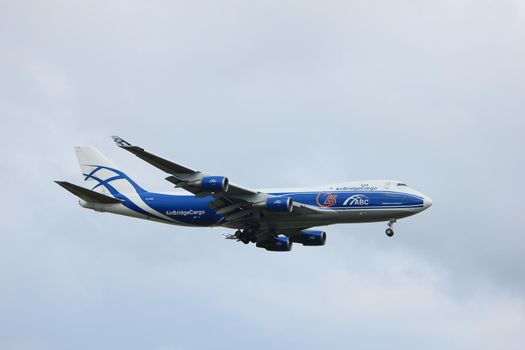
(272, 219)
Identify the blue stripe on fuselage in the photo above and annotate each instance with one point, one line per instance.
(356, 199)
(127, 202)
(192, 210)
(188, 210)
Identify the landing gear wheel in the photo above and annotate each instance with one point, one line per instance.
(389, 231)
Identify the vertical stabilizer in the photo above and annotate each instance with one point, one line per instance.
(106, 177)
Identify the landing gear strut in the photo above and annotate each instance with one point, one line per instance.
(389, 231)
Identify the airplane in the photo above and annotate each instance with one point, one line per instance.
(273, 219)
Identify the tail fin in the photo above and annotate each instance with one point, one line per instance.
(109, 179)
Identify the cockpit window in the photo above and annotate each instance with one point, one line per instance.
(401, 184)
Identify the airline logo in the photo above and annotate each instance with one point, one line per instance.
(357, 200)
(326, 199)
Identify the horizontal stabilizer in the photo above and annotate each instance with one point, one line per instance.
(88, 195)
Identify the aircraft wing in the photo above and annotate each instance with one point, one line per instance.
(181, 175)
(237, 203)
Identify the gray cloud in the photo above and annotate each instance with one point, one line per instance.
(270, 94)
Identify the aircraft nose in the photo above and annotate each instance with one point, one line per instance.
(427, 202)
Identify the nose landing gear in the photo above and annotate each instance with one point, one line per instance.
(389, 231)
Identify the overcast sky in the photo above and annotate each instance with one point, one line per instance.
(269, 93)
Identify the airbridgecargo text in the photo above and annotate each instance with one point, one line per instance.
(185, 212)
(357, 188)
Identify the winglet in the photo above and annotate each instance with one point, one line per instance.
(121, 142)
(126, 145)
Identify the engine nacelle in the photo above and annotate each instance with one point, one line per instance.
(214, 183)
(311, 238)
(282, 204)
(277, 244)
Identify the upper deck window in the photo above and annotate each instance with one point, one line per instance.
(401, 184)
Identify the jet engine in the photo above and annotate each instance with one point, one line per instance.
(277, 244)
(282, 204)
(214, 183)
(310, 238)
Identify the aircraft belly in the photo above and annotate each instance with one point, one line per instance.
(337, 217)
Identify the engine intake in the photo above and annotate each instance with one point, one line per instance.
(279, 204)
(310, 238)
(214, 183)
(277, 244)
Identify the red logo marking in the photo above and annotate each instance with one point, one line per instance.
(326, 199)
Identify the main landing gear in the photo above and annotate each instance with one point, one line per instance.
(389, 231)
(242, 236)
(246, 236)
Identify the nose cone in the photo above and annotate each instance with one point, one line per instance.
(427, 202)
